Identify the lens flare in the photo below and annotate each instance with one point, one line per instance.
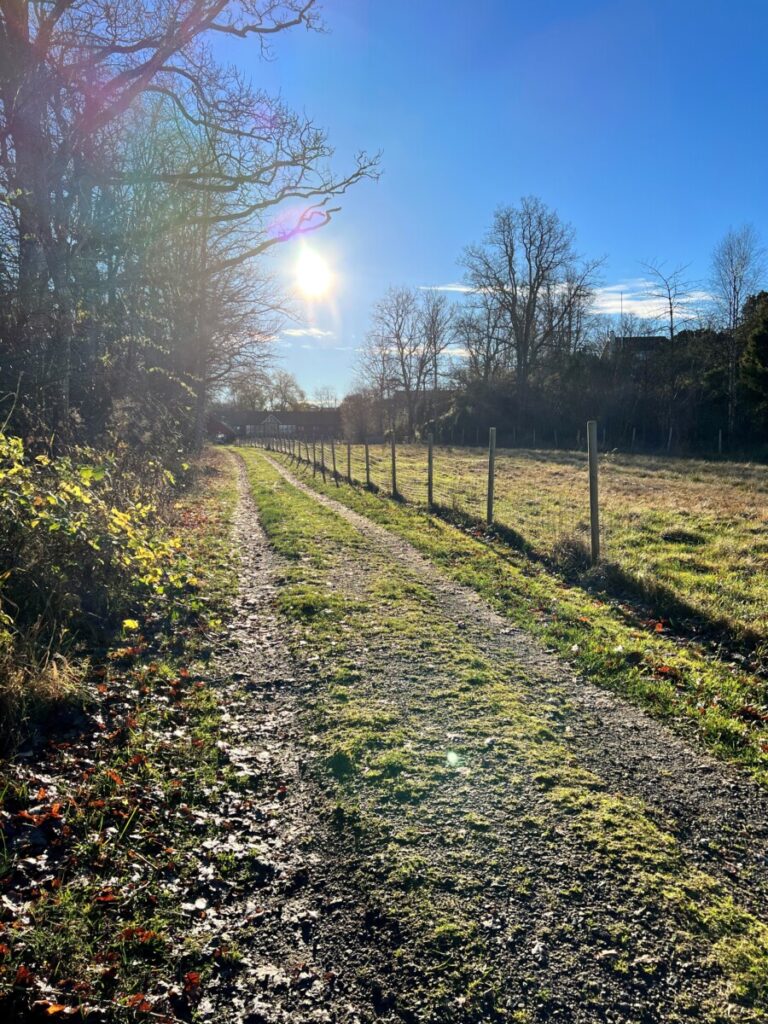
(313, 275)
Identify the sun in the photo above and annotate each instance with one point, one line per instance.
(313, 275)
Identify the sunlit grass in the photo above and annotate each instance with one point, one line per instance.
(698, 528)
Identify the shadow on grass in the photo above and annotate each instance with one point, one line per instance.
(645, 598)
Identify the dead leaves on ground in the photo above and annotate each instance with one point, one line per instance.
(96, 813)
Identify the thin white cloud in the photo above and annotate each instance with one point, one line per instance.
(632, 297)
(452, 286)
(307, 332)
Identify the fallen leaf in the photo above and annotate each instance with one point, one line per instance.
(23, 976)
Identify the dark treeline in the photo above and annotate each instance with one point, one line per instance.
(527, 350)
(140, 182)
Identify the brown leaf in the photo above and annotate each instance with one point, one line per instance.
(139, 1002)
(23, 976)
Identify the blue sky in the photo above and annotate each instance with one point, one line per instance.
(642, 123)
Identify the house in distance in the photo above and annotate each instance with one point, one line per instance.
(307, 424)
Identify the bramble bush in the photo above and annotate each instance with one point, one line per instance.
(83, 549)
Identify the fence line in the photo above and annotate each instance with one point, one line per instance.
(375, 466)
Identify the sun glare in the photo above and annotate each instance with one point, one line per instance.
(313, 275)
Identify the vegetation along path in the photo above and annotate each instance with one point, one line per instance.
(526, 846)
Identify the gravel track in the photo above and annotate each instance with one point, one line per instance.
(717, 814)
(300, 931)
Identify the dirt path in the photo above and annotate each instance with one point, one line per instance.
(719, 816)
(299, 931)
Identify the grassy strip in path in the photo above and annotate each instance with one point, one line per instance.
(717, 702)
(397, 786)
(102, 829)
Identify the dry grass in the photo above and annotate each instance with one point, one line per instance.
(33, 688)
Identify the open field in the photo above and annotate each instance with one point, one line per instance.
(690, 534)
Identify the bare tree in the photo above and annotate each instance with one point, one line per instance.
(73, 75)
(529, 268)
(396, 324)
(325, 397)
(403, 355)
(673, 292)
(285, 393)
(738, 266)
(435, 321)
(480, 331)
(375, 377)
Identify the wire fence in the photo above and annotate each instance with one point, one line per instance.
(695, 527)
(541, 498)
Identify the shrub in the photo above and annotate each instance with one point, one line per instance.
(81, 548)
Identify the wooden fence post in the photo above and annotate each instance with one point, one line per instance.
(322, 457)
(367, 466)
(349, 461)
(394, 466)
(720, 441)
(333, 460)
(491, 473)
(594, 504)
(430, 471)
(314, 459)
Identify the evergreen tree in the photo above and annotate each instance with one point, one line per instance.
(754, 367)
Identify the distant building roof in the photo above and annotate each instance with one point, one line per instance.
(639, 341)
(300, 418)
(635, 345)
(315, 423)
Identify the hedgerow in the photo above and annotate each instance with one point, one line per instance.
(84, 552)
